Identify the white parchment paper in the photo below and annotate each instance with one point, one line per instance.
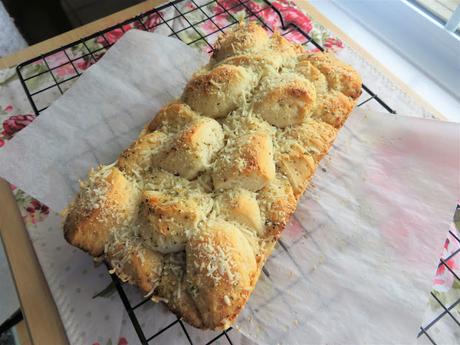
(357, 261)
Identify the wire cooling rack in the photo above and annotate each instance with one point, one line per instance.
(192, 15)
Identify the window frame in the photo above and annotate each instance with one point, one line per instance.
(409, 30)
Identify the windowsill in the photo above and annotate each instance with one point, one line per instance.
(408, 73)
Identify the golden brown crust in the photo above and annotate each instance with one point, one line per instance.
(298, 166)
(245, 39)
(136, 159)
(221, 272)
(219, 91)
(315, 137)
(277, 203)
(334, 109)
(340, 76)
(173, 290)
(172, 117)
(285, 49)
(286, 100)
(139, 264)
(105, 204)
(192, 209)
(166, 218)
(310, 72)
(240, 206)
(192, 149)
(262, 64)
(247, 163)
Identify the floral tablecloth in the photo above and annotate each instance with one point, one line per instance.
(102, 320)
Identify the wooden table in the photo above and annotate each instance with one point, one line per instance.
(33, 291)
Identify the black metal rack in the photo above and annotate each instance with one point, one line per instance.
(40, 67)
(447, 310)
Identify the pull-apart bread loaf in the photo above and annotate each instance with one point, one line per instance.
(192, 209)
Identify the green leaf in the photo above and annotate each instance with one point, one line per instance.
(92, 45)
(456, 285)
(457, 219)
(20, 196)
(441, 296)
(38, 82)
(240, 15)
(457, 225)
(8, 76)
(199, 44)
(316, 36)
(33, 69)
(195, 16)
(106, 292)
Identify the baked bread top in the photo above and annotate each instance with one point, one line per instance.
(192, 209)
